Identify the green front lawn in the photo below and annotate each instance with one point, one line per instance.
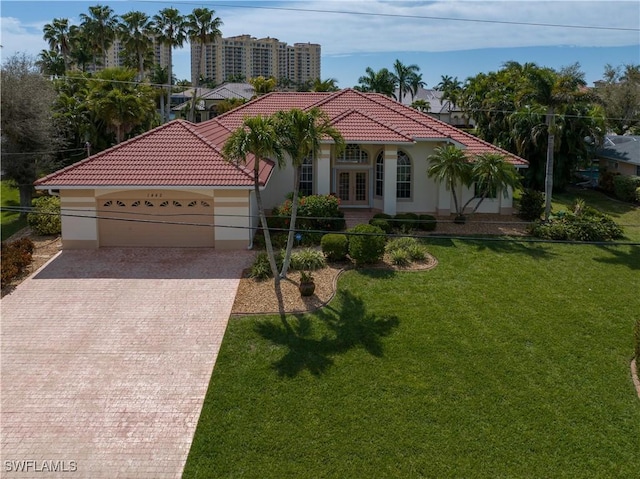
(10, 221)
(506, 360)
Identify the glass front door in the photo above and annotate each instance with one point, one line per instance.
(353, 188)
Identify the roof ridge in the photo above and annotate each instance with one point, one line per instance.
(243, 106)
(96, 156)
(391, 127)
(330, 96)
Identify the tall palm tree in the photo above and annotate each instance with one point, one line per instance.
(300, 134)
(170, 31)
(135, 30)
(100, 27)
(451, 89)
(554, 91)
(492, 174)
(262, 85)
(56, 34)
(81, 48)
(449, 164)
(256, 137)
(202, 28)
(421, 105)
(406, 79)
(159, 78)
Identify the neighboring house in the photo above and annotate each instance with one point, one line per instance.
(210, 98)
(443, 110)
(176, 174)
(620, 154)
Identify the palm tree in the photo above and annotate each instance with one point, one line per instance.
(421, 105)
(554, 91)
(135, 31)
(81, 48)
(256, 137)
(170, 31)
(406, 79)
(99, 27)
(300, 134)
(449, 164)
(451, 89)
(492, 173)
(56, 34)
(122, 104)
(202, 28)
(50, 63)
(328, 84)
(262, 85)
(159, 78)
(381, 81)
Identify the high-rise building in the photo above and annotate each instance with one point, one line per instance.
(115, 55)
(244, 56)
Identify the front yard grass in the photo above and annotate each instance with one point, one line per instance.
(10, 221)
(506, 360)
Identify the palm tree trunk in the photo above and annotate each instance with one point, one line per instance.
(192, 114)
(292, 224)
(169, 73)
(265, 227)
(26, 196)
(455, 197)
(548, 183)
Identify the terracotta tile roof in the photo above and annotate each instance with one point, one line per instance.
(174, 154)
(180, 153)
(361, 117)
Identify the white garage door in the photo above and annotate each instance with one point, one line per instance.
(156, 222)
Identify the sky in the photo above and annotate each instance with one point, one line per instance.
(454, 38)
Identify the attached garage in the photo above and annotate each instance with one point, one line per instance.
(171, 220)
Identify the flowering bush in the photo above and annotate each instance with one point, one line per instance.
(315, 212)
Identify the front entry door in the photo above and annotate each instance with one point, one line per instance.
(353, 188)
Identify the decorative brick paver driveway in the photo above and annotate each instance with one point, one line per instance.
(106, 358)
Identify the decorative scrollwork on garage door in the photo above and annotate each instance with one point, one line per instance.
(204, 204)
(107, 203)
(164, 203)
(192, 204)
(148, 203)
(177, 203)
(135, 203)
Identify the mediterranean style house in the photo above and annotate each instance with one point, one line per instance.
(172, 187)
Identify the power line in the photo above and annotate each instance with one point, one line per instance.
(435, 236)
(399, 15)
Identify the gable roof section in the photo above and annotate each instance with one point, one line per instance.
(174, 154)
(364, 117)
(621, 148)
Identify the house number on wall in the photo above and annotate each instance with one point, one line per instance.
(154, 195)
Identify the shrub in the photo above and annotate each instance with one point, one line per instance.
(531, 204)
(417, 252)
(316, 212)
(606, 180)
(400, 244)
(16, 256)
(405, 222)
(260, 269)
(427, 222)
(582, 224)
(278, 239)
(400, 257)
(335, 246)
(638, 194)
(307, 259)
(624, 187)
(381, 223)
(366, 244)
(382, 216)
(45, 219)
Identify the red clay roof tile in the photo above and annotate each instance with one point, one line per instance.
(180, 153)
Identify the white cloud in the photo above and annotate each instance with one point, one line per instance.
(16, 36)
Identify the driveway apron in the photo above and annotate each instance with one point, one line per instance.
(106, 356)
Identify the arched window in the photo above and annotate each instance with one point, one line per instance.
(403, 188)
(380, 174)
(353, 154)
(306, 177)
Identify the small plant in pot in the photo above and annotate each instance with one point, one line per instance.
(307, 286)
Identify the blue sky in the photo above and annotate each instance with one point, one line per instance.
(424, 33)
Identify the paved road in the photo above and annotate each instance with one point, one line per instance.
(106, 358)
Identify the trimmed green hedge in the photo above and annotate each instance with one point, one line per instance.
(366, 244)
(335, 246)
(624, 187)
(45, 219)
